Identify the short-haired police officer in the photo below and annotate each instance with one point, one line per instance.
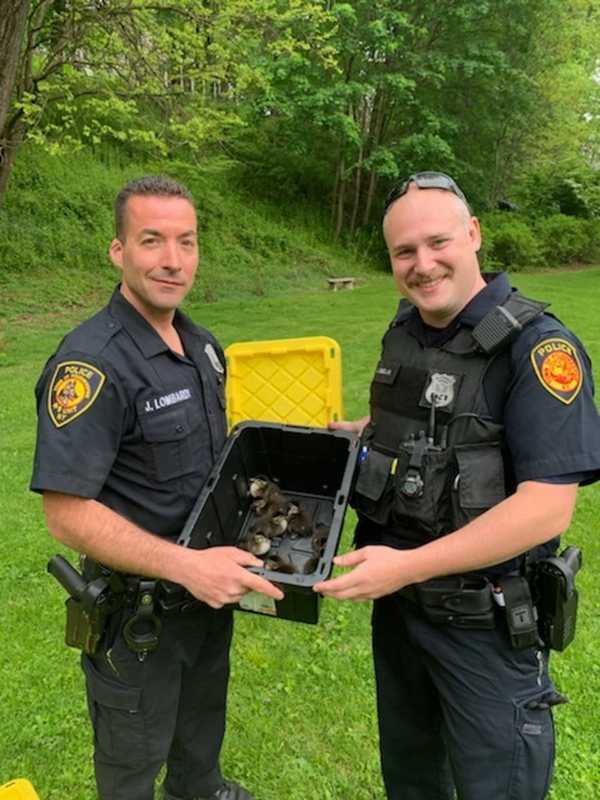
(131, 420)
(482, 426)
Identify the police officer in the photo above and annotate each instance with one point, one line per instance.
(131, 420)
(482, 426)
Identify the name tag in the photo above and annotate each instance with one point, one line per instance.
(171, 399)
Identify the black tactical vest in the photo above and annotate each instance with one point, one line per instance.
(432, 457)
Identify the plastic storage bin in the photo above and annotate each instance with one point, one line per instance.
(19, 789)
(291, 381)
(311, 466)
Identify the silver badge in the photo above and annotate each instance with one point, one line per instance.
(441, 388)
(213, 358)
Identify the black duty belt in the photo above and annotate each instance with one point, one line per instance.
(165, 597)
(462, 602)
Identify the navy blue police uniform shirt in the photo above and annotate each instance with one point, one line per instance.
(124, 420)
(543, 395)
(551, 423)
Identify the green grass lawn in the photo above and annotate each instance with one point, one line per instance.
(301, 717)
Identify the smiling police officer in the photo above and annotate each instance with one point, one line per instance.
(482, 426)
(131, 420)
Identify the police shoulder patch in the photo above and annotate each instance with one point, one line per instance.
(558, 368)
(75, 386)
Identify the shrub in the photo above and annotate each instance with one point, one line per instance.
(564, 240)
(510, 243)
(570, 188)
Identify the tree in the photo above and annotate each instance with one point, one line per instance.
(470, 88)
(168, 76)
(12, 29)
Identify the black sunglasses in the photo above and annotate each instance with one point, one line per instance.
(425, 180)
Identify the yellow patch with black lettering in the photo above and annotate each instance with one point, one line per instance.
(557, 365)
(75, 386)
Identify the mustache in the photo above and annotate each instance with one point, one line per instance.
(415, 281)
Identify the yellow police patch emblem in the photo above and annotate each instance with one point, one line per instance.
(74, 388)
(558, 368)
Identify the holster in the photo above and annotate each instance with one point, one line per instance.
(557, 597)
(88, 607)
(84, 628)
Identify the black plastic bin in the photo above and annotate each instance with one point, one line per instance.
(311, 465)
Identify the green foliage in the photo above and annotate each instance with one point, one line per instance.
(509, 243)
(514, 242)
(54, 222)
(569, 188)
(57, 223)
(564, 239)
(325, 102)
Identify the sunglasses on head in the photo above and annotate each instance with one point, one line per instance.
(425, 180)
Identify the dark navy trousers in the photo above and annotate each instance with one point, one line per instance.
(459, 710)
(168, 708)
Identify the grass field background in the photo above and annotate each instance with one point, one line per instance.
(301, 719)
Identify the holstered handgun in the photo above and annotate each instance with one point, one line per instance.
(557, 598)
(88, 606)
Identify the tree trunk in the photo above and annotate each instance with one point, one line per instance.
(377, 120)
(12, 28)
(13, 21)
(359, 167)
(335, 191)
(341, 198)
(9, 152)
(370, 196)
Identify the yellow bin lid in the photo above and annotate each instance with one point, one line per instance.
(20, 789)
(293, 381)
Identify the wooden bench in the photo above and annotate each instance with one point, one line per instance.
(341, 283)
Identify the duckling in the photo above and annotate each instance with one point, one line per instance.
(278, 564)
(270, 526)
(319, 538)
(257, 486)
(320, 533)
(272, 502)
(310, 566)
(299, 521)
(256, 543)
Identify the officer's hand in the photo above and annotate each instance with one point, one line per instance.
(218, 576)
(378, 571)
(356, 426)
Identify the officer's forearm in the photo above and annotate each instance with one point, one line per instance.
(355, 426)
(536, 513)
(96, 530)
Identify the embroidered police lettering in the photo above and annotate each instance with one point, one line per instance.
(557, 367)
(555, 344)
(84, 372)
(74, 388)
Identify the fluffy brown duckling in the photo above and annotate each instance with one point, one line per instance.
(256, 543)
(270, 526)
(299, 521)
(278, 564)
(319, 538)
(268, 498)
